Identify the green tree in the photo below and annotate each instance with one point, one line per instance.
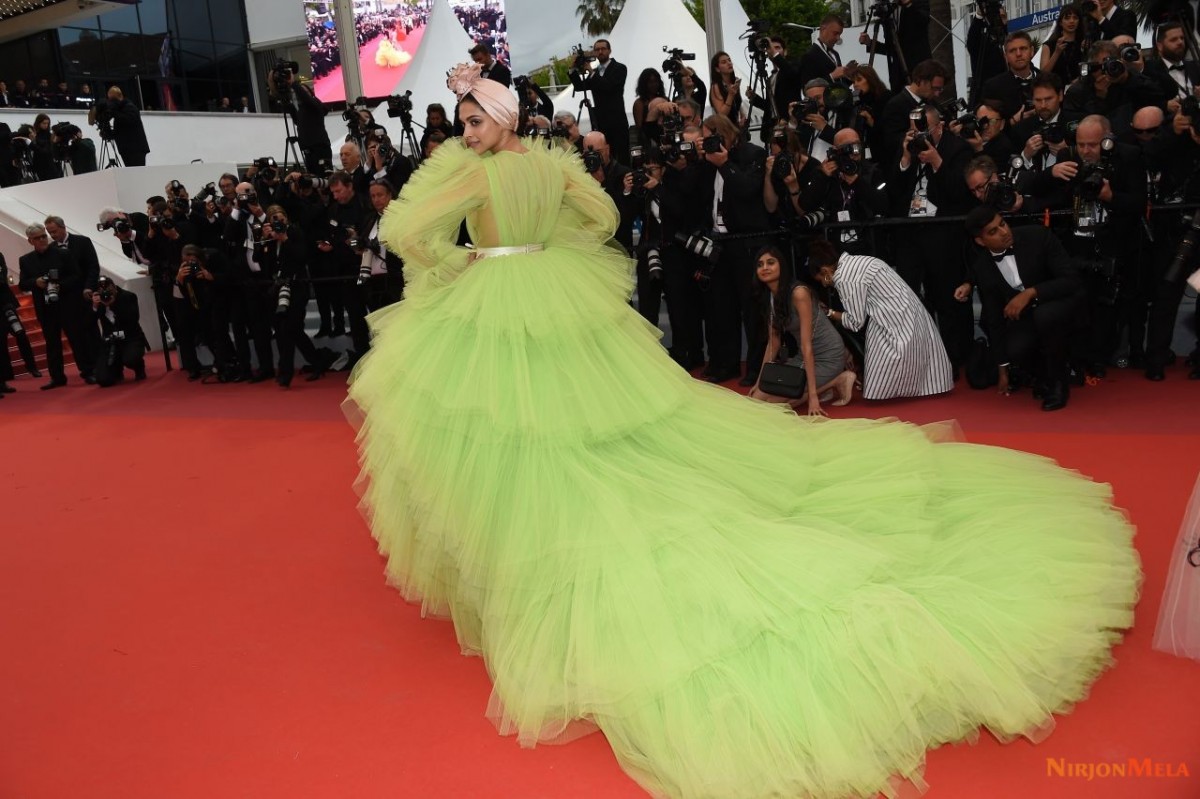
(696, 9)
(777, 12)
(597, 17)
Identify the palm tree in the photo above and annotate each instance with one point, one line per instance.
(597, 17)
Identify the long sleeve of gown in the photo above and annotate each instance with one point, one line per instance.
(422, 224)
(854, 298)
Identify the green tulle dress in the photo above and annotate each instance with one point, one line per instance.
(746, 603)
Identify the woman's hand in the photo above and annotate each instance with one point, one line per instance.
(814, 405)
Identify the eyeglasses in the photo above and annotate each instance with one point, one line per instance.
(1146, 131)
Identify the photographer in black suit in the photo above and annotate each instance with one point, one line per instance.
(928, 82)
(729, 188)
(617, 182)
(1107, 20)
(381, 271)
(56, 282)
(910, 38)
(127, 130)
(10, 325)
(248, 285)
(122, 342)
(1170, 68)
(606, 82)
(307, 113)
(344, 221)
(483, 55)
(821, 60)
(1032, 302)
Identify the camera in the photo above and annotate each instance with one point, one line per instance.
(1089, 180)
(283, 70)
(52, 285)
(193, 268)
(917, 145)
(1190, 107)
(400, 105)
(1130, 53)
(106, 290)
(782, 166)
(971, 125)
(847, 164)
(115, 225)
(248, 198)
(266, 167)
(919, 119)
(1057, 132)
(582, 59)
(674, 62)
(1110, 66)
(671, 122)
(700, 245)
(637, 161)
(712, 144)
(1002, 195)
(14, 321)
(592, 160)
(839, 98)
(805, 108)
(162, 222)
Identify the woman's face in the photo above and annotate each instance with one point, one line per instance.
(825, 276)
(1069, 22)
(43, 124)
(480, 132)
(768, 268)
(861, 83)
(725, 65)
(380, 197)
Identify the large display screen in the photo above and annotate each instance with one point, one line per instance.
(389, 37)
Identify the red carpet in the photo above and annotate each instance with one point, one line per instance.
(377, 81)
(193, 607)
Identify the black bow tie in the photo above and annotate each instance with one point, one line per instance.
(998, 257)
(1175, 68)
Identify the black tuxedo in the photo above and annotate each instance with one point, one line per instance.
(83, 250)
(68, 315)
(1049, 321)
(816, 63)
(1024, 130)
(499, 73)
(1156, 70)
(1011, 91)
(608, 100)
(912, 39)
(123, 344)
(895, 124)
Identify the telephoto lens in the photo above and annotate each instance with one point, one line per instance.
(654, 263)
(284, 302)
(364, 273)
(14, 321)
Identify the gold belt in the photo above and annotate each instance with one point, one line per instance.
(487, 252)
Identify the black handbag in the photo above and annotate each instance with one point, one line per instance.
(783, 380)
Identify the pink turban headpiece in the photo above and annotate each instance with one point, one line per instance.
(496, 101)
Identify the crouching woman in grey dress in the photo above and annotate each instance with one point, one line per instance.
(790, 307)
(904, 356)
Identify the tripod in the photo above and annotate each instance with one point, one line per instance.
(408, 138)
(109, 156)
(291, 143)
(881, 14)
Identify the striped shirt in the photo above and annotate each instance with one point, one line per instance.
(904, 353)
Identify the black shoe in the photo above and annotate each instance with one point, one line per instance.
(1155, 373)
(284, 381)
(139, 374)
(34, 371)
(721, 375)
(322, 332)
(5, 388)
(747, 380)
(1194, 374)
(338, 331)
(261, 377)
(1056, 397)
(1097, 370)
(1137, 360)
(54, 384)
(194, 375)
(91, 381)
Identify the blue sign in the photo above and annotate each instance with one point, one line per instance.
(1035, 20)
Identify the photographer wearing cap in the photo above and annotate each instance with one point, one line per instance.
(307, 113)
(56, 282)
(122, 342)
(126, 127)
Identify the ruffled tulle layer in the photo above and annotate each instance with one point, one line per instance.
(746, 603)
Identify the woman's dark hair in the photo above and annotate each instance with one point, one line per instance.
(777, 307)
(821, 253)
(875, 84)
(1069, 8)
(650, 85)
(714, 75)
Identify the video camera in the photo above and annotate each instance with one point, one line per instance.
(400, 105)
(673, 65)
(581, 59)
(283, 71)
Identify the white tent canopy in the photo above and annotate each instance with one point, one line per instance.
(638, 38)
(444, 45)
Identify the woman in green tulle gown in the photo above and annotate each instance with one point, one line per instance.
(745, 603)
